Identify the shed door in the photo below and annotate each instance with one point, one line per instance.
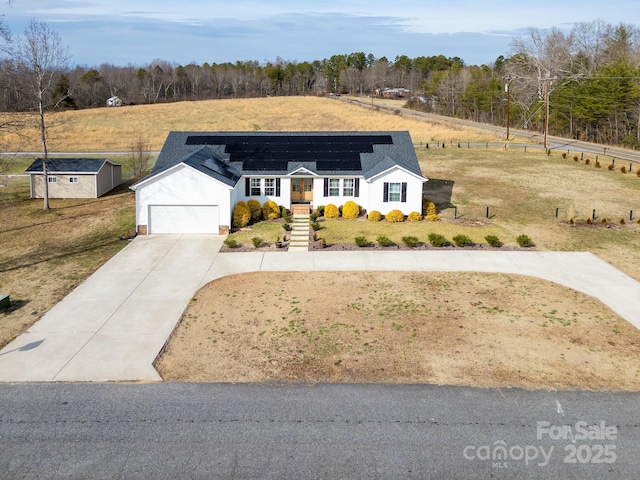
(183, 219)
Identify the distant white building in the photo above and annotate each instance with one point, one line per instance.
(114, 102)
(394, 92)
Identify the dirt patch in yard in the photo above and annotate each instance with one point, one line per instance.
(443, 328)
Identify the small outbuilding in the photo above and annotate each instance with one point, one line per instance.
(75, 177)
(114, 102)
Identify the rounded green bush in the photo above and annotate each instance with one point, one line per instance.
(331, 211)
(374, 216)
(257, 242)
(395, 216)
(270, 210)
(414, 217)
(410, 241)
(493, 241)
(241, 215)
(255, 209)
(350, 210)
(384, 241)
(524, 241)
(231, 242)
(462, 240)
(361, 241)
(438, 240)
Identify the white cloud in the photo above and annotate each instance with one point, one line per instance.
(204, 30)
(417, 16)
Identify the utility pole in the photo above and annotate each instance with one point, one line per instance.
(372, 86)
(507, 90)
(547, 81)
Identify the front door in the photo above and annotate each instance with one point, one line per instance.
(301, 189)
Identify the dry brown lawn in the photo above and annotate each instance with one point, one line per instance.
(524, 189)
(45, 255)
(488, 330)
(116, 129)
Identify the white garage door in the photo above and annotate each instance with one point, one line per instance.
(183, 219)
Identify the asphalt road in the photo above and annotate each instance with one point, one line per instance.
(173, 430)
(605, 152)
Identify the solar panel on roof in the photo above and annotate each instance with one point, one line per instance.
(273, 152)
(305, 156)
(339, 165)
(218, 167)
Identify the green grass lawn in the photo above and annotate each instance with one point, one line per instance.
(10, 165)
(345, 231)
(269, 231)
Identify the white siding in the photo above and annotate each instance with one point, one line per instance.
(375, 193)
(372, 192)
(320, 199)
(183, 185)
(240, 193)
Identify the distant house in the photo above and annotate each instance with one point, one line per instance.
(394, 92)
(75, 177)
(114, 102)
(200, 176)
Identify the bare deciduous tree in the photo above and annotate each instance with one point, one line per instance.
(5, 32)
(138, 160)
(39, 57)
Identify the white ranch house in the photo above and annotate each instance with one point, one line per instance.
(200, 176)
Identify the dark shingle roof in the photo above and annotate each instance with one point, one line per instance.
(69, 165)
(280, 153)
(207, 161)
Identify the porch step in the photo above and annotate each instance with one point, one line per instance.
(300, 208)
(299, 241)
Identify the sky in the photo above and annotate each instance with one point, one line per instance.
(138, 32)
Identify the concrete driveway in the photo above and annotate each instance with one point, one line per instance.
(114, 324)
(112, 327)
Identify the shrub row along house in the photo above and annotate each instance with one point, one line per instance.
(200, 176)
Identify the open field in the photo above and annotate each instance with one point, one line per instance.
(488, 330)
(116, 129)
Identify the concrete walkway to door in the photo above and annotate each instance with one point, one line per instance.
(112, 327)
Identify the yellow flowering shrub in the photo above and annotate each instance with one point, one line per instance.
(374, 216)
(241, 215)
(395, 216)
(331, 211)
(350, 210)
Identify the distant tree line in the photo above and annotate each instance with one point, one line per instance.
(589, 77)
